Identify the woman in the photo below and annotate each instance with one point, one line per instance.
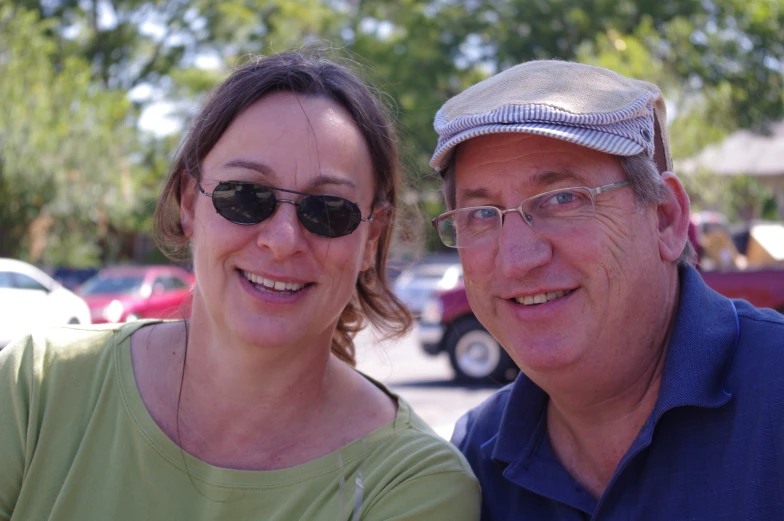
(282, 195)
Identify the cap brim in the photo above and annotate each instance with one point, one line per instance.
(589, 138)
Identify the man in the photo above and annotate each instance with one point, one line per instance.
(643, 393)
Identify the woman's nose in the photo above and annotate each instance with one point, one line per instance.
(282, 233)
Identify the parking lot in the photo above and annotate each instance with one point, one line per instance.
(424, 381)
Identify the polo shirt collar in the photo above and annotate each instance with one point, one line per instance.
(701, 348)
(698, 359)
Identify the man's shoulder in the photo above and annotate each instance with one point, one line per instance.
(758, 317)
(481, 423)
(760, 329)
(759, 349)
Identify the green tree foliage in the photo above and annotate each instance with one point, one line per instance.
(719, 62)
(65, 176)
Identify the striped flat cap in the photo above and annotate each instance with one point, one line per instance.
(586, 105)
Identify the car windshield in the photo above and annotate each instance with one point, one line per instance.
(116, 284)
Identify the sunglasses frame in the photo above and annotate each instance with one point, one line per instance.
(290, 201)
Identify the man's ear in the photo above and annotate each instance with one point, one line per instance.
(371, 245)
(673, 218)
(187, 204)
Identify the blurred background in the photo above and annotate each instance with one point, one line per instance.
(95, 94)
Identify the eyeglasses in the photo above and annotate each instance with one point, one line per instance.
(250, 203)
(547, 213)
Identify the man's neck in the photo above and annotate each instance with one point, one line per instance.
(590, 439)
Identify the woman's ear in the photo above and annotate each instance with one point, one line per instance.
(673, 218)
(376, 226)
(187, 204)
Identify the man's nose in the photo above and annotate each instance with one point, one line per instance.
(520, 248)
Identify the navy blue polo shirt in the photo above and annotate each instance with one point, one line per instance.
(712, 449)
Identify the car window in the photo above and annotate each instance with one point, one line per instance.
(5, 280)
(112, 284)
(159, 285)
(25, 282)
(173, 283)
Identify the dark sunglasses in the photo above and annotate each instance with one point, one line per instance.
(249, 203)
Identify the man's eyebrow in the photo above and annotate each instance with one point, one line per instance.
(544, 179)
(541, 180)
(472, 193)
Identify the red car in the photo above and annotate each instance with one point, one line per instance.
(125, 293)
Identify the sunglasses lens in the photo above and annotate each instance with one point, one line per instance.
(329, 216)
(243, 203)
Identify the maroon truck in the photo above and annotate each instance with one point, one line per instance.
(448, 324)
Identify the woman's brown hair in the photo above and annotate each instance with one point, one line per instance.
(311, 76)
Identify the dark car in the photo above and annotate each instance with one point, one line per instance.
(72, 278)
(125, 293)
(448, 325)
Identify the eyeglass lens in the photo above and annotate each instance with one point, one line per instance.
(547, 213)
(249, 203)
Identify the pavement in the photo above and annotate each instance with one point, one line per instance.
(424, 381)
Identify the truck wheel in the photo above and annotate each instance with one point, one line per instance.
(475, 355)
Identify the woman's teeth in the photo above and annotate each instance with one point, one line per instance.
(541, 298)
(277, 285)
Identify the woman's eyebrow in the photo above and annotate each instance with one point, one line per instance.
(272, 178)
(326, 179)
(260, 168)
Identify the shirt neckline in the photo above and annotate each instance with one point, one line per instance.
(221, 477)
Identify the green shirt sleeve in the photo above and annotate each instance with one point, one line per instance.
(447, 496)
(16, 391)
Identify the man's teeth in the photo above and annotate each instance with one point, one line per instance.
(541, 298)
(273, 284)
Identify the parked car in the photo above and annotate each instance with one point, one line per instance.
(29, 299)
(72, 278)
(448, 325)
(419, 282)
(126, 293)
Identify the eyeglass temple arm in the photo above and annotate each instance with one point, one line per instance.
(201, 190)
(198, 184)
(610, 187)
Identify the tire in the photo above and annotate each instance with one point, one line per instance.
(132, 317)
(73, 321)
(475, 355)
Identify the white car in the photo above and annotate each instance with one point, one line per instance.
(31, 299)
(418, 283)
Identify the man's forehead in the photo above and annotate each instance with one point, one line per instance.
(478, 186)
(498, 161)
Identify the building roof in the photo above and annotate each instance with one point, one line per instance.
(743, 152)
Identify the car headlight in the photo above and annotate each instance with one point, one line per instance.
(432, 311)
(113, 311)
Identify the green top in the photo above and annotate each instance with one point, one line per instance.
(77, 443)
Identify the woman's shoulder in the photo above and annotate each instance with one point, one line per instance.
(411, 447)
(421, 475)
(71, 351)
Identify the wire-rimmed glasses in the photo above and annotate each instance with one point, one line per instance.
(546, 213)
